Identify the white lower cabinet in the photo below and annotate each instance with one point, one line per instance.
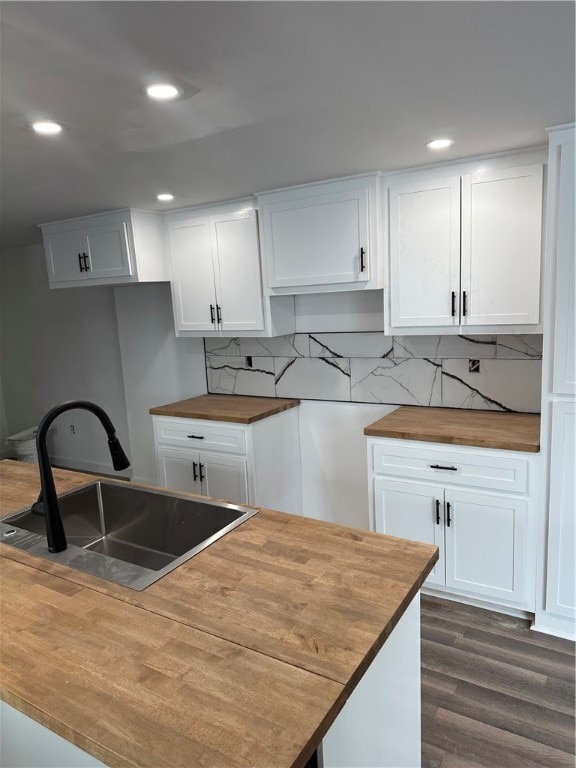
(255, 464)
(412, 511)
(224, 477)
(486, 543)
(485, 538)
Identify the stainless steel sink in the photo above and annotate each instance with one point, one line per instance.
(119, 532)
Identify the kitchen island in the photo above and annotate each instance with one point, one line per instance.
(243, 656)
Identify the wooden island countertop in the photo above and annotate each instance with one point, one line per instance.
(458, 426)
(239, 409)
(242, 656)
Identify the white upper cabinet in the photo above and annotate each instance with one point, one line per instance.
(321, 237)
(425, 253)
(465, 250)
(215, 275)
(502, 246)
(238, 283)
(106, 249)
(192, 268)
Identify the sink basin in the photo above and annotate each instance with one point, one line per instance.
(119, 532)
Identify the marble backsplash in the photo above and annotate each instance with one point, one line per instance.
(500, 373)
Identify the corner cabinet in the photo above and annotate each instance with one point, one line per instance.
(476, 505)
(256, 464)
(125, 246)
(465, 251)
(215, 275)
(322, 237)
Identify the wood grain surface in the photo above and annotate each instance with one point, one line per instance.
(235, 408)
(303, 597)
(494, 692)
(458, 426)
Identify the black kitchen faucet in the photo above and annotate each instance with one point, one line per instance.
(47, 503)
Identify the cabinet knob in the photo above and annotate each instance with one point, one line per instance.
(80, 262)
(218, 313)
(448, 516)
(196, 437)
(200, 468)
(437, 512)
(212, 317)
(453, 303)
(464, 303)
(362, 262)
(194, 471)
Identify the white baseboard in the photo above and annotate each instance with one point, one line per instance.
(487, 606)
(555, 628)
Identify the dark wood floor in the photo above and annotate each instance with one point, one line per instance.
(494, 693)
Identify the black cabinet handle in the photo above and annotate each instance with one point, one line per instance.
(437, 512)
(212, 318)
(439, 466)
(80, 262)
(464, 303)
(86, 262)
(453, 303)
(218, 313)
(194, 471)
(362, 262)
(201, 467)
(196, 437)
(448, 510)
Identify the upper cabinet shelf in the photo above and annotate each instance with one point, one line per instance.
(465, 252)
(322, 237)
(125, 246)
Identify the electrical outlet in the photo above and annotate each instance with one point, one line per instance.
(473, 366)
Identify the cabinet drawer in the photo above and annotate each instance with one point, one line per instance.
(452, 467)
(203, 436)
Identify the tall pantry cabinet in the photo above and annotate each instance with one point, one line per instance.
(556, 598)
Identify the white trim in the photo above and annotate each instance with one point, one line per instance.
(487, 606)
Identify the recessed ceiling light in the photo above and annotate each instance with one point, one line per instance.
(46, 127)
(162, 91)
(439, 143)
(165, 197)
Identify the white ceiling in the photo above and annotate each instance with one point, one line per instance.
(276, 94)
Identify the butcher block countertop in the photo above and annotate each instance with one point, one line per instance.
(242, 656)
(457, 426)
(236, 408)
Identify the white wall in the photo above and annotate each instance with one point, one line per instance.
(333, 457)
(340, 311)
(157, 367)
(59, 345)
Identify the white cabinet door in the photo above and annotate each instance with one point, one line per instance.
(192, 280)
(412, 511)
(107, 250)
(561, 575)
(64, 256)
(486, 543)
(317, 236)
(238, 283)
(501, 246)
(179, 470)
(564, 381)
(425, 253)
(224, 477)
